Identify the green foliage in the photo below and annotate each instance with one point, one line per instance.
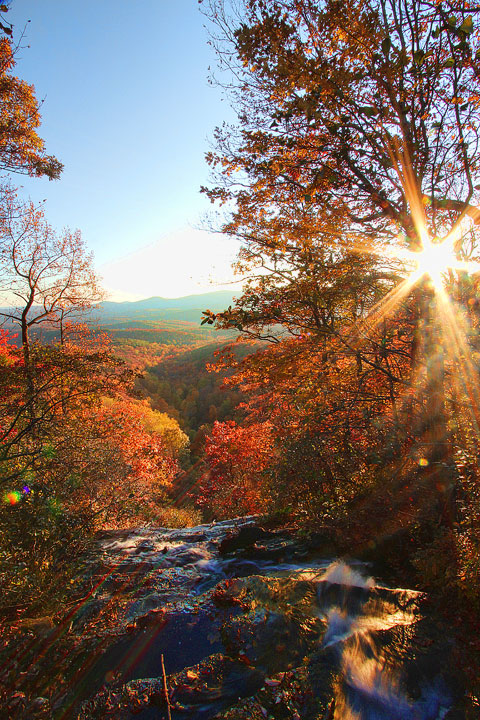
(185, 389)
(42, 538)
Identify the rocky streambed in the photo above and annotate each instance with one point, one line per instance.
(229, 620)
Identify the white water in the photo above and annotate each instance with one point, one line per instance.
(185, 566)
(369, 688)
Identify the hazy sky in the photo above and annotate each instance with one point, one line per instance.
(128, 110)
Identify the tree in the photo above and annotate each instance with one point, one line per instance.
(366, 107)
(88, 457)
(359, 134)
(237, 460)
(115, 466)
(155, 422)
(21, 148)
(45, 276)
(66, 379)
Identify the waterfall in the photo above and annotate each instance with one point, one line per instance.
(369, 686)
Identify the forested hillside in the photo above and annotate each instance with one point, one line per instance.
(190, 387)
(187, 386)
(135, 326)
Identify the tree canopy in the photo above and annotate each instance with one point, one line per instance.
(367, 110)
(352, 179)
(21, 148)
(45, 276)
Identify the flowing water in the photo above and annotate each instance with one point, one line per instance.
(249, 624)
(370, 682)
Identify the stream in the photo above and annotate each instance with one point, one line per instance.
(248, 623)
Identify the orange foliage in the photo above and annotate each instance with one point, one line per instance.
(124, 469)
(238, 459)
(21, 149)
(101, 462)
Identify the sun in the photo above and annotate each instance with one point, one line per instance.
(435, 259)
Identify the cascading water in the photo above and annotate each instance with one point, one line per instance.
(248, 623)
(369, 687)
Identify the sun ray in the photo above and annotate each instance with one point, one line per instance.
(464, 372)
(44, 647)
(383, 309)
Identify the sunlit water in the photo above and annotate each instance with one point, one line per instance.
(241, 625)
(369, 687)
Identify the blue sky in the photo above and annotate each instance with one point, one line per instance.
(128, 109)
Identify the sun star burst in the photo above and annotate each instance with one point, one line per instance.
(435, 259)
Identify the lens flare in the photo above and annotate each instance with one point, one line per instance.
(12, 498)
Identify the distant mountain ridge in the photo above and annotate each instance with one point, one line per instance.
(217, 300)
(156, 319)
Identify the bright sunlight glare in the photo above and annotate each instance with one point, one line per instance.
(435, 259)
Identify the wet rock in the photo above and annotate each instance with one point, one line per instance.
(286, 696)
(194, 537)
(243, 538)
(87, 612)
(40, 707)
(144, 606)
(16, 704)
(229, 592)
(185, 555)
(198, 692)
(40, 626)
(241, 568)
(145, 546)
(251, 623)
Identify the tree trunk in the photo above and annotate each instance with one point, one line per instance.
(434, 436)
(29, 370)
